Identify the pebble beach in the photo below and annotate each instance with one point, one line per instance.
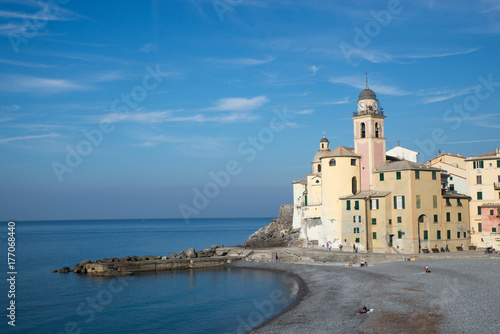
(460, 295)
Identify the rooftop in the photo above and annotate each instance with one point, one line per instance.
(367, 194)
(389, 166)
(342, 151)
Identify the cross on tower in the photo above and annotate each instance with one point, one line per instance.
(324, 133)
(366, 78)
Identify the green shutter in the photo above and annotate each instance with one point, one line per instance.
(498, 163)
(348, 205)
(417, 174)
(448, 234)
(390, 221)
(448, 216)
(433, 175)
(356, 205)
(418, 201)
(374, 221)
(493, 230)
(436, 218)
(398, 175)
(479, 227)
(403, 200)
(374, 235)
(382, 176)
(399, 219)
(479, 195)
(465, 234)
(357, 240)
(458, 235)
(439, 234)
(426, 235)
(479, 210)
(400, 235)
(395, 202)
(481, 164)
(459, 216)
(434, 201)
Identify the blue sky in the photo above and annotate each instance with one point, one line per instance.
(128, 109)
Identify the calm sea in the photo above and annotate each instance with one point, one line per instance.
(225, 300)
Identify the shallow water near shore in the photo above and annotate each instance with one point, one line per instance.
(221, 300)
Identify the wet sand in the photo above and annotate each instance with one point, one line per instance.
(460, 295)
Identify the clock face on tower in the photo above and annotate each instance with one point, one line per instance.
(361, 106)
(375, 106)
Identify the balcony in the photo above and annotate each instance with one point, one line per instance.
(496, 186)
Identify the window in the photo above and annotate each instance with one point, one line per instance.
(498, 163)
(374, 204)
(400, 234)
(458, 202)
(448, 216)
(390, 221)
(357, 240)
(400, 220)
(417, 174)
(479, 179)
(377, 130)
(398, 175)
(319, 170)
(433, 175)
(493, 230)
(451, 178)
(479, 227)
(436, 218)
(438, 234)
(418, 201)
(452, 187)
(356, 205)
(354, 185)
(426, 235)
(381, 176)
(478, 164)
(332, 163)
(363, 130)
(459, 216)
(348, 205)
(356, 230)
(353, 162)
(479, 210)
(448, 234)
(492, 212)
(479, 195)
(434, 201)
(399, 202)
(448, 203)
(458, 235)
(374, 221)
(356, 219)
(374, 235)
(465, 234)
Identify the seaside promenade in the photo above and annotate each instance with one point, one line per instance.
(460, 294)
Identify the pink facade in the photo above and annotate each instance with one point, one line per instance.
(379, 154)
(363, 150)
(488, 220)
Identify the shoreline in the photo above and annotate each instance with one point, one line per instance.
(453, 298)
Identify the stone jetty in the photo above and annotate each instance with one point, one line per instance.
(190, 259)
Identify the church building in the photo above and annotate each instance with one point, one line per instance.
(360, 197)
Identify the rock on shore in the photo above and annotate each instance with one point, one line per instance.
(278, 233)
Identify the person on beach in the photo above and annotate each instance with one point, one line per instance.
(245, 244)
(426, 269)
(354, 248)
(363, 310)
(350, 264)
(327, 246)
(340, 247)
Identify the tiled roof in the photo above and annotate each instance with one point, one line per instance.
(491, 205)
(402, 165)
(342, 151)
(301, 181)
(455, 195)
(489, 155)
(368, 194)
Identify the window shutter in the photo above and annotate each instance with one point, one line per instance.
(395, 202)
(403, 201)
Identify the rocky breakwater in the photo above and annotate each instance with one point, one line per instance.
(210, 257)
(279, 233)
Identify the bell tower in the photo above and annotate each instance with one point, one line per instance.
(369, 141)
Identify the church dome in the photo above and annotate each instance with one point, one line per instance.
(367, 93)
(324, 140)
(320, 154)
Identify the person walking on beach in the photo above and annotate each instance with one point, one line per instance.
(340, 247)
(327, 246)
(245, 244)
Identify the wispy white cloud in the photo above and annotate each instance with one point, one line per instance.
(9, 139)
(12, 107)
(243, 61)
(170, 116)
(108, 76)
(473, 141)
(24, 64)
(357, 82)
(440, 54)
(315, 69)
(344, 101)
(149, 47)
(30, 84)
(239, 103)
(443, 95)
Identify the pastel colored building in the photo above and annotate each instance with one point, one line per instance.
(454, 165)
(490, 221)
(360, 197)
(483, 175)
(403, 153)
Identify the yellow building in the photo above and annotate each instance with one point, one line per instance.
(360, 198)
(483, 175)
(454, 165)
